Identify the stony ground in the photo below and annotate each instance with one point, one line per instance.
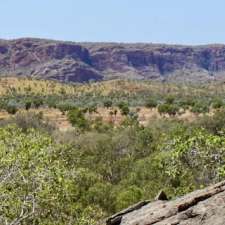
(203, 207)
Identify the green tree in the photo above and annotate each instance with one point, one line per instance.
(170, 100)
(28, 104)
(217, 103)
(107, 103)
(39, 183)
(37, 102)
(151, 103)
(77, 118)
(128, 197)
(169, 109)
(12, 107)
(200, 107)
(123, 106)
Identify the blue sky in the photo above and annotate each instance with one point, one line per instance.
(157, 21)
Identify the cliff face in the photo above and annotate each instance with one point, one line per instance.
(205, 207)
(47, 59)
(82, 62)
(158, 61)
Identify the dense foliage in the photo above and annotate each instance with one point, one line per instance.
(81, 176)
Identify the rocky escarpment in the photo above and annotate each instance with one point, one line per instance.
(68, 61)
(148, 61)
(205, 207)
(47, 59)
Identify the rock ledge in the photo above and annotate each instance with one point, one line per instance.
(205, 207)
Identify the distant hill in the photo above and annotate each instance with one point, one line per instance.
(82, 62)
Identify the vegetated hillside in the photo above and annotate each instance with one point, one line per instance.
(99, 100)
(86, 173)
(145, 99)
(132, 92)
(81, 62)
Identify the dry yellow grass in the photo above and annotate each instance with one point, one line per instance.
(47, 87)
(25, 85)
(145, 116)
(43, 87)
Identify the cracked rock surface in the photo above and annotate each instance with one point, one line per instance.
(202, 207)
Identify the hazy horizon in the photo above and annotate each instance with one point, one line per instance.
(111, 42)
(127, 21)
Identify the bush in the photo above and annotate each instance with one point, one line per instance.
(107, 103)
(28, 120)
(52, 102)
(37, 102)
(168, 109)
(92, 108)
(12, 107)
(195, 153)
(200, 107)
(214, 124)
(41, 184)
(128, 197)
(123, 106)
(28, 104)
(77, 118)
(217, 103)
(151, 103)
(170, 100)
(186, 103)
(65, 106)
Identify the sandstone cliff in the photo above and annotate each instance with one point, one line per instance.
(68, 61)
(203, 207)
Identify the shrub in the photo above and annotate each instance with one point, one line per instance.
(128, 197)
(77, 118)
(62, 91)
(217, 103)
(41, 186)
(214, 124)
(65, 106)
(12, 107)
(37, 102)
(123, 106)
(92, 108)
(52, 102)
(28, 104)
(169, 109)
(200, 107)
(107, 103)
(151, 103)
(186, 102)
(170, 100)
(197, 153)
(27, 120)
(101, 126)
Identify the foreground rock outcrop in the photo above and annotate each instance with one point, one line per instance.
(81, 62)
(202, 207)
